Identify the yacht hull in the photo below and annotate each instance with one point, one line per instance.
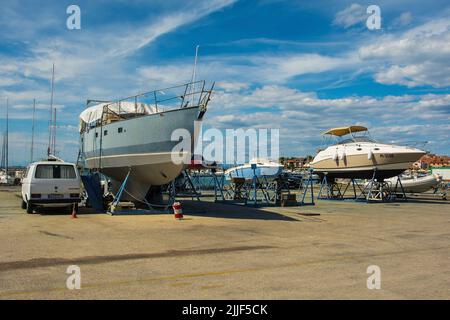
(380, 174)
(141, 146)
(359, 166)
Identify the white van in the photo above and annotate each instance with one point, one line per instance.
(51, 183)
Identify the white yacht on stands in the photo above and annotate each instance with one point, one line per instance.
(360, 157)
(134, 135)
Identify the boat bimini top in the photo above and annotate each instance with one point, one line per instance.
(342, 131)
(350, 130)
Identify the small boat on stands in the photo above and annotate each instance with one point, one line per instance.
(415, 184)
(261, 168)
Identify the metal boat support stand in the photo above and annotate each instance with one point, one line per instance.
(308, 185)
(128, 208)
(258, 191)
(332, 190)
(263, 186)
(243, 192)
(118, 196)
(186, 187)
(381, 191)
(441, 190)
(220, 192)
(203, 181)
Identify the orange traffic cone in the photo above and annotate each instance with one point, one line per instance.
(74, 210)
(177, 211)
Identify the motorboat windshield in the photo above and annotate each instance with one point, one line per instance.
(358, 139)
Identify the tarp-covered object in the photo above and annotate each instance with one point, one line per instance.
(91, 115)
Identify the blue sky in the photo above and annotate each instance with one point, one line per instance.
(300, 66)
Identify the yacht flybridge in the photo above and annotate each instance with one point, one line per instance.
(361, 157)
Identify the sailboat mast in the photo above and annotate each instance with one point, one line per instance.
(193, 75)
(32, 132)
(51, 125)
(2, 165)
(54, 131)
(7, 137)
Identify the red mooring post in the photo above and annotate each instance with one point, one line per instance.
(177, 211)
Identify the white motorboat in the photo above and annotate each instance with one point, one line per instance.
(261, 168)
(361, 157)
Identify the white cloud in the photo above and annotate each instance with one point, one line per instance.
(238, 70)
(166, 74)
(417, 57)
(292, 100)
(413, 75)
(350, 16)
(307, 106)
(89, 64)
(403, 20)
(232, 86)
(4, 82)
(128, 42)
(282, 68)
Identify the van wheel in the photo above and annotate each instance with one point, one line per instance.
(24, 205)
(29, 208)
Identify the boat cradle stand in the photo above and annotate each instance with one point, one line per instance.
(373, 191)
(187, 188)
(332, 190)
(382, 191)
(116, 207)
(258, 191)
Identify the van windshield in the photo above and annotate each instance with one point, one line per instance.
(55, 171)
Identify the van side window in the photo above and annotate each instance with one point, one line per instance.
(105, 133)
